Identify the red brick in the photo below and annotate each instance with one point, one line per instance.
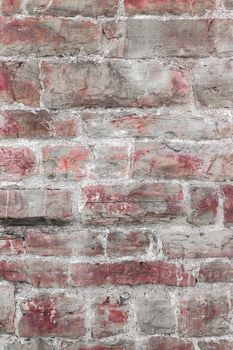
(70, 85)
(168, 6)
(228, 203)
(19, 82)
(216, 271)
(110, 315)
(203, 311)
(98, 346)
(32, 204)
(154, 159)
(7, 308)
(66, 162)
(132, 203)
(215, 345)
(57, 8)
(11, 245)
(167, 343)
(192, 244)
(73, 162)
(52, 315)
(181, 160)
(130, 273)
(16, 163)
(130, 243)
(182, 125)
(204, 203)
(17, 124)
(155, 313)
(148, 38)
(47, 36)
(45, 243)
(34, 271)
(109, 161)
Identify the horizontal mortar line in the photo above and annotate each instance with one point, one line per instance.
(75, 59)
(218, 13)
(110, 182)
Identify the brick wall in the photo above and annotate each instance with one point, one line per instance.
(116, 170)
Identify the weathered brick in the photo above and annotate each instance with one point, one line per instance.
(11, 245)
(182, 125)
(130, 273)
(16, 163)
(228, 204)
(65, 161)
(120, 83)
(137, 203)
(35, 271)
(215, 345)
(147, 38)
(46, 36)
(109, 161)
(204, 203)
(155, 314)
(216, 271)
(212, 82)
(19, 82)
(57, 8)
(7, 308)
(168, 6)
(52, 315)
(110, 315)
(33, 344)
(98, 346)
(180, 160)
(31, 203)
(222, 33)
(130, 243)
(17, 124)
(228, 4)
(203, 311)
(45, 243)
(192, 244)
(58, 205)
(167, 343)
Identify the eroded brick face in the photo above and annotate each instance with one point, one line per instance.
(7, 307)
(168, 6)
(116, 174)
(52, 315)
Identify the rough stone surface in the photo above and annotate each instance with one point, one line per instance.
(19, 83)
(116, 174)
(61, 8)
(120, 84)
(155, 314)
(47, 36)
(204, 311)
(197, 244)
(33, 344)
(7, 308)
(146, 202)
(24, 124)
(147, 38)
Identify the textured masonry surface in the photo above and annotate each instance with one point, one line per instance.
(116, 174)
